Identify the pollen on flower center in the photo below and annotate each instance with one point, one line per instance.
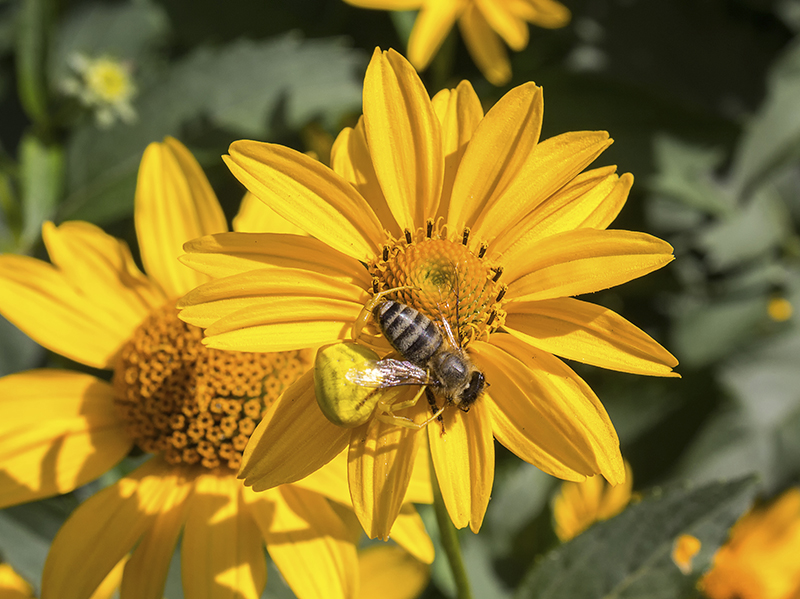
(193, 404)
(445, 281)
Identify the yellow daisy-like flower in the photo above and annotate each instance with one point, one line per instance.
(484, 227)
(193, 407)
(484, 25)
(579, 505)
(760, 559)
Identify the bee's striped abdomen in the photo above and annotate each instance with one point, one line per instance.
(412, 334)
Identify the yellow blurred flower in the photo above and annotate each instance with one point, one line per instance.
(194, 408)
(684, 549)
(484, 227)
(103, 84)
(579, 505)
(484, 25)
(12, 585)
(761, 559)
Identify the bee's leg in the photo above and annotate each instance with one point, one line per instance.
(388, 411)
(390, 408)
(366, 311)
(390, 418)
(432, 403)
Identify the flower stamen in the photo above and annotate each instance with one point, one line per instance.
(193, 404)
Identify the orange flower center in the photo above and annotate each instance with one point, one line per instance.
(445, 281)
(194, 404)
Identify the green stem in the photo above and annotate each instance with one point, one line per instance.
(32, 39)
(449, 538)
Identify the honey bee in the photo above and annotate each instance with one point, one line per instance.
(431, 357)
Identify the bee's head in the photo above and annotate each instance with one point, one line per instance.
(472, 391)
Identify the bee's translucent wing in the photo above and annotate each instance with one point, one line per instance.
(387, 373)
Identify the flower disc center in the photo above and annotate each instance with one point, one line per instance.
(446, 282)
(192, 403)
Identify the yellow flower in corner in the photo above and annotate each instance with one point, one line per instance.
(483, 227)
(192, 407)
(484, 25)
(12, 585)
(760, 559)
(579, 505)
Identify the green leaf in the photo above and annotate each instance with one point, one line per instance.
(758, 430)
(243, 88)
(42, 183)
(33, 28)
(685, 175)
(706, 332)
(123, 31)
(772, 138)
(629, 556)
(759, 226)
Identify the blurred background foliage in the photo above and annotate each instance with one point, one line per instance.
(703, 100)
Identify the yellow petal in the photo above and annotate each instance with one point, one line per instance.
(510, 27)
(293, 440)
(111, 583)
(330, 480)
(409, 531)
(59, 430)
(351, 159)
(588, 333)
(459, 111)
(390, 573)
(102, 530)
(12, 585)
(582, 261)
(228, 254)
(500, 147)
(174, 203)
(544, 13)
(255, 216)
(387, 4)
(434, 21)
(308, 194)
(484, 46)
(308, 542)
(146, 572)
(591, 200)
(93, 295)
(404, 138)
(380, 463)
(419, 487)
(273, 310)
(553, 164)
(546, 414)
(462, 449)
(222, 553)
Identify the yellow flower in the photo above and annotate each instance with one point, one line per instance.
(484, 25)
(488, 229)
(103, 84)
(684, 549)
(579, 505)
(192, 407)
(12, 585)
(760, 559)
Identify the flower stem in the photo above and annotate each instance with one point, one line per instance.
(449, 538)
